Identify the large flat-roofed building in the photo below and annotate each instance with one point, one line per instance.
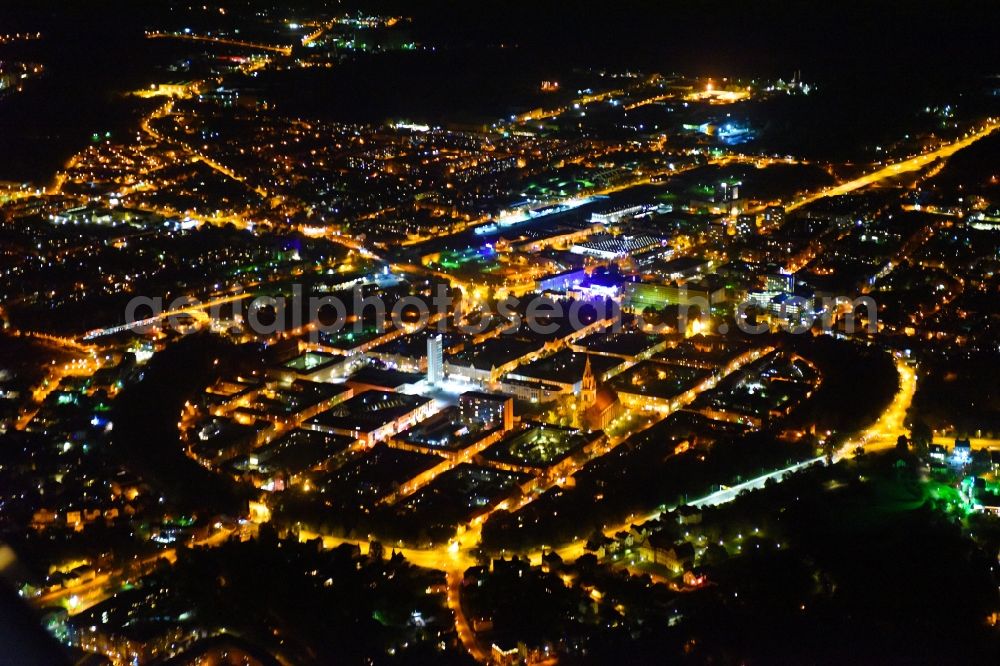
(313, 366)
(563, 282)
(565, 369)
(489, 409)
(605, 246)
(444, 432)
(530, 390)
(373, 416)
(681, 267)
(488, 361)
(447, 435)
(617, 212)
(627, 345)
(409, 352)
(379, 379)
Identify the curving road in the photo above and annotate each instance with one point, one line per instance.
(897, 168)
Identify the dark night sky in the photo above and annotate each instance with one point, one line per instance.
(767, 36)
(865, 54)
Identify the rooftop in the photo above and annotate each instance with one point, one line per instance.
(368, 411)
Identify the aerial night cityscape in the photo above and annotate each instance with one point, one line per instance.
(512, 332)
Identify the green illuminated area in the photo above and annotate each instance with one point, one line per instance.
(878, 535)
(308, 361)
(558, 187)
(347, 339)
(644, 295)
(940, 491)
(703, 190)
(477, 264)
(465, 259)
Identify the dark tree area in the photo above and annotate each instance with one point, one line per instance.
(870, 561)
(643, 475)
(960, 393)
(315, 605)
(145, 418)
(537, 607)
(853, 571)
(859, 382)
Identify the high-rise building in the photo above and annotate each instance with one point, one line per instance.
(774, 217)
(435, 359)
(726, 191)
(779, 283)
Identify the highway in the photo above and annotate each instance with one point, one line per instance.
(892, 170)
(195, 309)
(317, 33)
(283, 50)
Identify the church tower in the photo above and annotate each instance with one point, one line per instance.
(588, 387)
